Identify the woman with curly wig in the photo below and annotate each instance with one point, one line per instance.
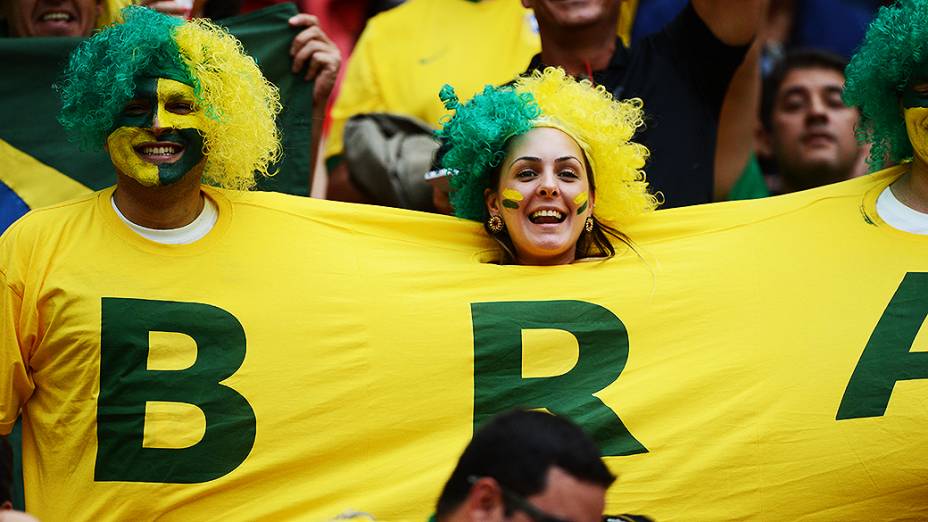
(888, 80)
(547, 165)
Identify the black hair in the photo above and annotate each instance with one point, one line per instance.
(517, 449)
(794, 59)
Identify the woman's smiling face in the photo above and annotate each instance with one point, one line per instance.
(543, 196)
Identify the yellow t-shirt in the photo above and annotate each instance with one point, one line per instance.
(406, 54)
(757, 360)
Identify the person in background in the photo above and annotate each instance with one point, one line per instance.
(406, 54)
(528, 466)
(74, 18)
(807, 136)
(681, 74)
(6, 482)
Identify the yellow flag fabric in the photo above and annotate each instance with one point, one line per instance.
(755, 360)
(37, 184)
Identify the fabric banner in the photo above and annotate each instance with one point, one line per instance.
(752, 360)
(39, 166)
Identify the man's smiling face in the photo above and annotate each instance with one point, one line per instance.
(52, 17)
(158, 137)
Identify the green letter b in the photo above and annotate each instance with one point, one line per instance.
(126, 385)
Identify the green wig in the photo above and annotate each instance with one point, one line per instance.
(241, 138)
(893, 53)
(474, 140)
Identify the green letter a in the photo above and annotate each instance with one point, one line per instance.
(888, 358)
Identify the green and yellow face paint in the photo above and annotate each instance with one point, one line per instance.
(582, 200)
(512, 198)
(915, 105)
(158, 137)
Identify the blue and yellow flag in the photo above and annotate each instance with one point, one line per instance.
(757, 360)
(39, 166)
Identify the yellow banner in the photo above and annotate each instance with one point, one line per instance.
(758, 360)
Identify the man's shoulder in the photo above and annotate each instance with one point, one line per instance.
(57, 215)
(397, 18)
(268, 203)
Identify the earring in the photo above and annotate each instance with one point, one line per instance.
(495, 224)
(588, 225)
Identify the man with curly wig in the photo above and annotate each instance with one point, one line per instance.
(888, 80)
(186, 116)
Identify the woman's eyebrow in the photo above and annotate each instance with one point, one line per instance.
(526, 158)
(566, 158)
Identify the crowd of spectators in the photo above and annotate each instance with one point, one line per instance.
(679, 58)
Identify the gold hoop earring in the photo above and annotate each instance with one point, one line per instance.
(588, 225)
(495, 224)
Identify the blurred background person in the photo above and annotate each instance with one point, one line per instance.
(681, 73)
(807, 135)
(75, 18)
(401, 60)
(526, 465)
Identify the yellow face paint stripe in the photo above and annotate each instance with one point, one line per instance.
(169, 90)
(121, 143)
(512, 194)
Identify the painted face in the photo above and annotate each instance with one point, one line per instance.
(543, 196)
(158, 137)
(52, 17)
(811, 134)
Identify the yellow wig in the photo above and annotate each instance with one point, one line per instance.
(242, 137)
(603, 127)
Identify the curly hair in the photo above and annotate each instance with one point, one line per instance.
(475, 141)
(241, 138)
(603, 127)
(476, 137)
(895, 47)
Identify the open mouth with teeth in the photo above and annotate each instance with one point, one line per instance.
(547, 217)
(161, 152)
(56, 16)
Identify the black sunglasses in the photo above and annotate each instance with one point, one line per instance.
(519, 503)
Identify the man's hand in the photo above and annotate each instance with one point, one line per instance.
(312, 46)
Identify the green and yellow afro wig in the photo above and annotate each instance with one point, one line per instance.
(241, 139)
(474, 140)
(894, 53)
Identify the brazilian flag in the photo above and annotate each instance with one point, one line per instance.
(39, 166)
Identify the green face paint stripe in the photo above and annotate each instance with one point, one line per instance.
(193, 154)
(508, 203)
(582, 207)
(145, 88)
